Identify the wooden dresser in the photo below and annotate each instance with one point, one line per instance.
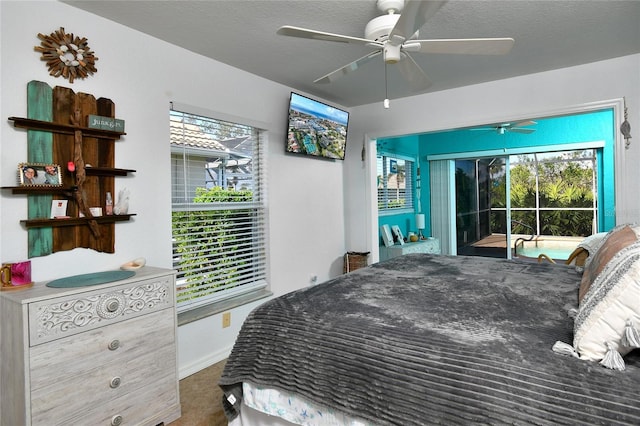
(97, 355)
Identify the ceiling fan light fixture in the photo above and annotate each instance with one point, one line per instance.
(391, 53)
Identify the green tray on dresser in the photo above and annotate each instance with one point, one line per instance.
(94, 278)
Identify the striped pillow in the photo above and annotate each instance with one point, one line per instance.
(611, 244)
(609, 314)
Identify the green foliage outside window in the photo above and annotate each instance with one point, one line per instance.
(392, 204)
(561, 185)
(205, 240)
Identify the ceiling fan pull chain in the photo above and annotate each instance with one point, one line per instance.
(385, 104)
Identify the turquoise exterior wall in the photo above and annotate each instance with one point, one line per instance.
(550, 133)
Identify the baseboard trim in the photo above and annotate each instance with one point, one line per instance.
(204, 362)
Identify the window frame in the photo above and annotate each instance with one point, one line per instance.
(411, 197)
(246, 291)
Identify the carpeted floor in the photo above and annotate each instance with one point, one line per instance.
(201, 399)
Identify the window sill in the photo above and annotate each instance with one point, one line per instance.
(224, 305)
(393, 212)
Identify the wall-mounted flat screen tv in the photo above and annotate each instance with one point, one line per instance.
(316, 129)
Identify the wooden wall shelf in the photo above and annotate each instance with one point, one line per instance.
(107, 171)
(58, 134)
(41, 223)
(64, 129)
(38, 189)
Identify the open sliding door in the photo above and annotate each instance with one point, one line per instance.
(482, 211)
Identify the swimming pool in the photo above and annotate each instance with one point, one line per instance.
(558, 248)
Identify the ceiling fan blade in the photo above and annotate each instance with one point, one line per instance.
(414, 15)
(290, 31)
(468, 46)
(524, 123)
(519, 130)
(349, 68)
(411, 71)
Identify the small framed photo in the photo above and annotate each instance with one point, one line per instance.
(58, 209)
(397, 234)
(387, 238)
(39, 174)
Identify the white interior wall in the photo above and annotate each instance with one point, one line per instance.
(535, 95)
(142, 75)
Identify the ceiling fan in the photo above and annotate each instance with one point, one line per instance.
(395, 36)
(503, 128)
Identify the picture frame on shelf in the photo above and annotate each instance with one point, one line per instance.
(397, 234)
(39, 174)
(59, 209)
(387, 238)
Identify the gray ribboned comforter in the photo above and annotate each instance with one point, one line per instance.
(424, 339)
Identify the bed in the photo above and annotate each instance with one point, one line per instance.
(428, 339)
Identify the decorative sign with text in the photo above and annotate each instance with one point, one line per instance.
(105, 123)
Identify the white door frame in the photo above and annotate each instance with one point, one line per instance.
(617, 105)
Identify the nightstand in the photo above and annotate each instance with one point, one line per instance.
(430, 245)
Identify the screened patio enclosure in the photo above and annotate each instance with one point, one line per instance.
(503, 202)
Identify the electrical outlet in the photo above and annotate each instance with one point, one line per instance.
(226, 319)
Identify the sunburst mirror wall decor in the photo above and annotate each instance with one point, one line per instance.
(67, 55)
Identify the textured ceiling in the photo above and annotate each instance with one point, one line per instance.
(242, 33)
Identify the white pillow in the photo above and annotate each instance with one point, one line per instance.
(592, 242)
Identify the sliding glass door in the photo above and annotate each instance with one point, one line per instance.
(502, 201)
(481, 207)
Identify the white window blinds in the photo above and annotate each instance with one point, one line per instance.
(218, 209)
(395, 179)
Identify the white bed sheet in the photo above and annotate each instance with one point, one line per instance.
(250, 417)
(263, 406)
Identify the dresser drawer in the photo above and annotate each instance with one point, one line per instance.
(72, 375)
(148, 406)
(64, 316)
(61, 359)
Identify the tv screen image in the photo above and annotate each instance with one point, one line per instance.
(316, 129)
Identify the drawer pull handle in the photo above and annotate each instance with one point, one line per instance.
(116, 420)
(114, 344)
(112, 305)
(115, 382)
